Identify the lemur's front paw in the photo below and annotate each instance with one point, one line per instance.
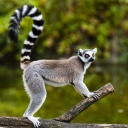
(95, 95)
(34, 120)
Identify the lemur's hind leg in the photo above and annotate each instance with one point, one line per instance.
(34, 84)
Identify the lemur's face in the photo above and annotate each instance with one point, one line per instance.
(87, 55)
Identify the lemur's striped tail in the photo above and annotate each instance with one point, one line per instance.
(37, 28)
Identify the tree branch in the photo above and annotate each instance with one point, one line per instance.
(81, 106)
(15, 122)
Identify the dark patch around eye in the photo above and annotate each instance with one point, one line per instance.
(93, 54)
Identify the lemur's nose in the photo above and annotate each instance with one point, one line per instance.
(91, 59)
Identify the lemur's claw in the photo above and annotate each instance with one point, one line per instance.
(96, 96)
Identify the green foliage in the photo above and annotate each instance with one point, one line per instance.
(70, 25)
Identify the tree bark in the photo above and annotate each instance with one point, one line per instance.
(15, 122)
(62, 121)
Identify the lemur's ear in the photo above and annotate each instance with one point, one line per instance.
(95, 50)
(80, 52)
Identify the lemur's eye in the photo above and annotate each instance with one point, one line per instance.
(93, 55)
(86, 55)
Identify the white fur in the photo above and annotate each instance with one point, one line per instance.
(33, 10)
(95, 50)
(25, 57)
(34, 120)
(23, 66)
(38, 27)
(13, 18)
(18, 13)
(25, 7)
(25, 50)
(39, 17)
(80, 50)
(32, 35)
(28, 42)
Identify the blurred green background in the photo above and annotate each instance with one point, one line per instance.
(70, 25)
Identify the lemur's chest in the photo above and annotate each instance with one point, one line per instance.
(86, 66)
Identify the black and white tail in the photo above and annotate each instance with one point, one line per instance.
(37, 27)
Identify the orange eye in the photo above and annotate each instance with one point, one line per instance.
(86, 55)
(93, 54)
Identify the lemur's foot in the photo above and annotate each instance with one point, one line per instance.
(34, 120)
(95, 95)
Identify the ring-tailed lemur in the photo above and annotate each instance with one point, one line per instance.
(54, 72)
